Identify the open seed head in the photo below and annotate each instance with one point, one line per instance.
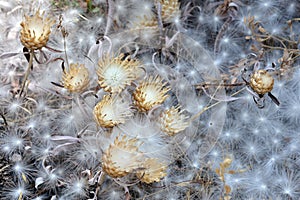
(35, 31)
(173, 121)
(154, 171)
(151, 92)
(114, 74)
(76, 79)
(111, 111)
(122, 157)
(170, 10)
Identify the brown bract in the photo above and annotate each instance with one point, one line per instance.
(35, 31)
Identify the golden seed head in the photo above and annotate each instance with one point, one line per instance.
(76, 79)
(170, 10)
(154, 171)
(35, 31)
(150, 93)
(122, 157)
(261, 82)
(173, 121)
(114, 74)
(145, 22)
(111, 111)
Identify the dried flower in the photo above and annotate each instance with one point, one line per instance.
(111, 110)
(145, 22)
(114, 74)
(35, 31)
(173, 121)
(122, 157)
(261, 82)
(153, 172)
(76, 79)
(170, 10)
(150, 93)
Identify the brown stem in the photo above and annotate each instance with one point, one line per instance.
(27, 72)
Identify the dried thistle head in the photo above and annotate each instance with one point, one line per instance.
(122, 157)
(151, 92)
(173, 121)
(114, 74)
(261, 82)
(145, 22)
(154, 171)
(35, 31)
(111, 110)
(170, 10)
(76, 79)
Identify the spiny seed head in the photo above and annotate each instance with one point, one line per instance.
(261, 82)
(154, 171)
(145, 22)
(170, 10)
(151, 92)
(111, 111)
(114, 74)
(35, 31)
(76, 79)
(173, 121)
(122, 157)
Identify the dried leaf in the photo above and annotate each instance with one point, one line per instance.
(261, 29)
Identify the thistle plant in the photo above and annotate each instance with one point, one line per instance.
(149, 100)
(34, 35)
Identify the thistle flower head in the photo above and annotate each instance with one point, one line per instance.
(261, 82)
(35, 31)
(150, 93)
(173, 121)
(154, 171)
(122, 157)
(76, 79)
(114, 74)
(145, 22)
(111, 110)
(170, 10)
